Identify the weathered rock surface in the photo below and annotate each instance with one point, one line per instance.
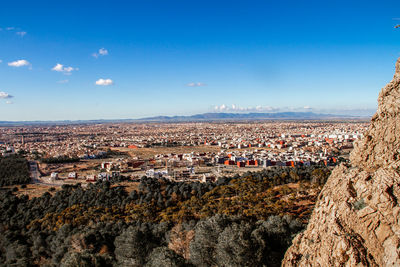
(356, 220)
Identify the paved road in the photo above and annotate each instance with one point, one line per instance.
(33, 167)
(35, 175)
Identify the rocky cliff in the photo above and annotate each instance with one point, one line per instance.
(356, 220)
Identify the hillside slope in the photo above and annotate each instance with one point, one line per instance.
(356, 219)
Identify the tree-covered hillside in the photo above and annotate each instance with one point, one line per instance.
(14, 170)
(242, 221)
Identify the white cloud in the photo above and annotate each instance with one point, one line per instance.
(237, 108)
(19, 63)
(1, 61)
(22, 34)
(4, 95)
(104, 82)
(66, 70)
(9, 102)
(101, 52)
(196, 84)
(58, 67)
(267, 109)
(10, 28)
(63, 81)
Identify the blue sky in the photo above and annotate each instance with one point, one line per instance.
(186, 57)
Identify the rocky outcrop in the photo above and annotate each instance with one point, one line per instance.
(356, 220)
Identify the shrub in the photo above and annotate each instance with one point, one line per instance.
(359, 205)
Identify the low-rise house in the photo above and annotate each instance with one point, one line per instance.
(72, 175)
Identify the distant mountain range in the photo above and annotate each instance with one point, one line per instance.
(247, 116)
(200, 117)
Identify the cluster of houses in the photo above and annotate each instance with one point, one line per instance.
(7, 151)
(224, 145)
(88, 141)
(102, 176)
(284, 151)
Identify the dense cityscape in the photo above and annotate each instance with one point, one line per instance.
(178, 151)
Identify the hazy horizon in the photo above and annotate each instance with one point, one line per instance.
(361, 115)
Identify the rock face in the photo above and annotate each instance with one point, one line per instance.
(356, 220)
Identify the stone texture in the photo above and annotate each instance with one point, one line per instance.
(356, 219)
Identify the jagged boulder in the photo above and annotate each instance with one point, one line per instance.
(356, 220)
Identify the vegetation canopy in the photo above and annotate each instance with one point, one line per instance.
(14, 170)
(247, 220)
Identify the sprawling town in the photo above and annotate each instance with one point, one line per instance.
(177, 151)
